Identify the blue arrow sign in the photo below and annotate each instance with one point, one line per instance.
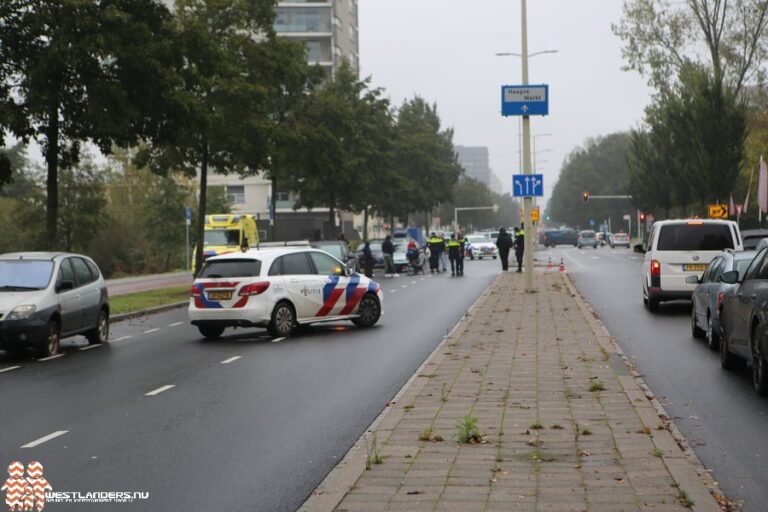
(525, 100)
(527, 185)
(188, 213)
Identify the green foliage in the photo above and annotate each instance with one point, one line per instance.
(467, 430)
(601, 169)
(83, 207)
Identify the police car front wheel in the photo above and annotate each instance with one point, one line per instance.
(369, 311)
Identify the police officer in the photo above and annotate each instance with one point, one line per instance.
(454, 247)
(520, 247)
(460, 260)
(436, 245)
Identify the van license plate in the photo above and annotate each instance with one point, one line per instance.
(694, 267)
(219, 295)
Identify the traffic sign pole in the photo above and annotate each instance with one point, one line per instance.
(527, 201)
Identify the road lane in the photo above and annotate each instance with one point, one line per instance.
(717, 411)
(257, 433)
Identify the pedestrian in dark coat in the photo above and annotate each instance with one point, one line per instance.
(367, 260)
(504, 244)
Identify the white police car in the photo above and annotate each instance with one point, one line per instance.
(279, 288)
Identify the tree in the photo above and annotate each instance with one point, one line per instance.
(220, 110)
(83, 201)
(81, 70)
(661, 39)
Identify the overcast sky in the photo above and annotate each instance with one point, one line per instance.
(444, 51)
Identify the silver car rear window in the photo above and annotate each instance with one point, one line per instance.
(695, 237)
(231, 268)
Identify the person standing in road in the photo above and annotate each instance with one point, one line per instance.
(453, 254)
(388, 251)
(504, 244)
(367, 260)
(444, 254)
(460, 260)
(520, 246)
(436, 245)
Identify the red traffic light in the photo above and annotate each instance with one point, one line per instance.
(585, 196)
(642, 217)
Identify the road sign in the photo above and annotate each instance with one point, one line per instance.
(627, 217)
(718, 211)
(527, 185)
(524, 100)
(592, 222)
(188, 215)
(535, 215)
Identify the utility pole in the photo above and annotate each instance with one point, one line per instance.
(527, 201)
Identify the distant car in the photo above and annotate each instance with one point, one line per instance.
(378, 254)
(339, 250)
(554, 237)
(744, 320)
(480, 246)
(587, 238)
(400, 258)
(707, 296)
(47, 296)
(751, 237)
(280, 289)
(677, 249)
(620, 240)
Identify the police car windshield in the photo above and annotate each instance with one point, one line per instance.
(18, 275)
(222, 237)
(231, 268)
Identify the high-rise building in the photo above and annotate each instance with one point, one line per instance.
(328, 28)
(476, 164)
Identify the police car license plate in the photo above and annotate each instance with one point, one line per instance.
(219, 295)
(694, 267)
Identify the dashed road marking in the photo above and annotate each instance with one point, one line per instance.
(9, 368)
(160, 390)
(414, 282)
(278, 340)
(234, 358)
(45, 439)
(89, 347)
(150, 331)
(392, 291)
(404, 286)
(175, 324)
(121, 338)
(51, 357)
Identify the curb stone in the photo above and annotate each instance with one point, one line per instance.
(680, 472)
(329, 493)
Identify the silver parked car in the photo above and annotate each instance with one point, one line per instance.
(46, 296)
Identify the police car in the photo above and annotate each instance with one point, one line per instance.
(280, 288)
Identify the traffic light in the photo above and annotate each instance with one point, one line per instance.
(585, 196)
(642, 217)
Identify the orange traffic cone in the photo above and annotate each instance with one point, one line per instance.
(562, 265)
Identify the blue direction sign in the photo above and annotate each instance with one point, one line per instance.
(524, 100)
(527, 185)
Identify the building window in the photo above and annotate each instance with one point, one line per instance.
(283, 195)
(236, 194)
(319, 50)
(302, 19)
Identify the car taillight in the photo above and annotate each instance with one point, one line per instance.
(720, 298)
(655, 268)
(254, 288)
(195, 292)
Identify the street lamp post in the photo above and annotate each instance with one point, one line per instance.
(527, 201)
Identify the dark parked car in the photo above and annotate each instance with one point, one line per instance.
(752, 237)
(553, 237)
(744, 320)
(338, 250)
(705, 317)
(47, 296)
(378, 255)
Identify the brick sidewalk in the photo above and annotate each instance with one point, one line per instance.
(564, 425)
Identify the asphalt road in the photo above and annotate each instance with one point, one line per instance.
(249, 424)
(717, 411)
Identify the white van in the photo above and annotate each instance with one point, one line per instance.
(677, 249)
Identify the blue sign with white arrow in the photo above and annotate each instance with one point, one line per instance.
(524, 100)
(527, 185)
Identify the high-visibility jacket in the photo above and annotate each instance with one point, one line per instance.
(436, 244)
(454, 247)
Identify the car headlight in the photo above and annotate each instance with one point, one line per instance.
(21, 312)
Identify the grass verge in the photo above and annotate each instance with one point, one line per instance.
(143, 300)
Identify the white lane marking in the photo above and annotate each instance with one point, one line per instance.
(51, 357)
(278, 340)
(150, 331)
(160, 390)
(404, 286)
(227, 361)
(121, 338)
(89, 347)
(45, 438)
(175, 324)
(421, 279)
(414, 282)
(392, 291)
(9, 368)
(594, 257)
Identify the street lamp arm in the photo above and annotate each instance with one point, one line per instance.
(513, 54)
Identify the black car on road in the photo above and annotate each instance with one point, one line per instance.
(553, 237)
